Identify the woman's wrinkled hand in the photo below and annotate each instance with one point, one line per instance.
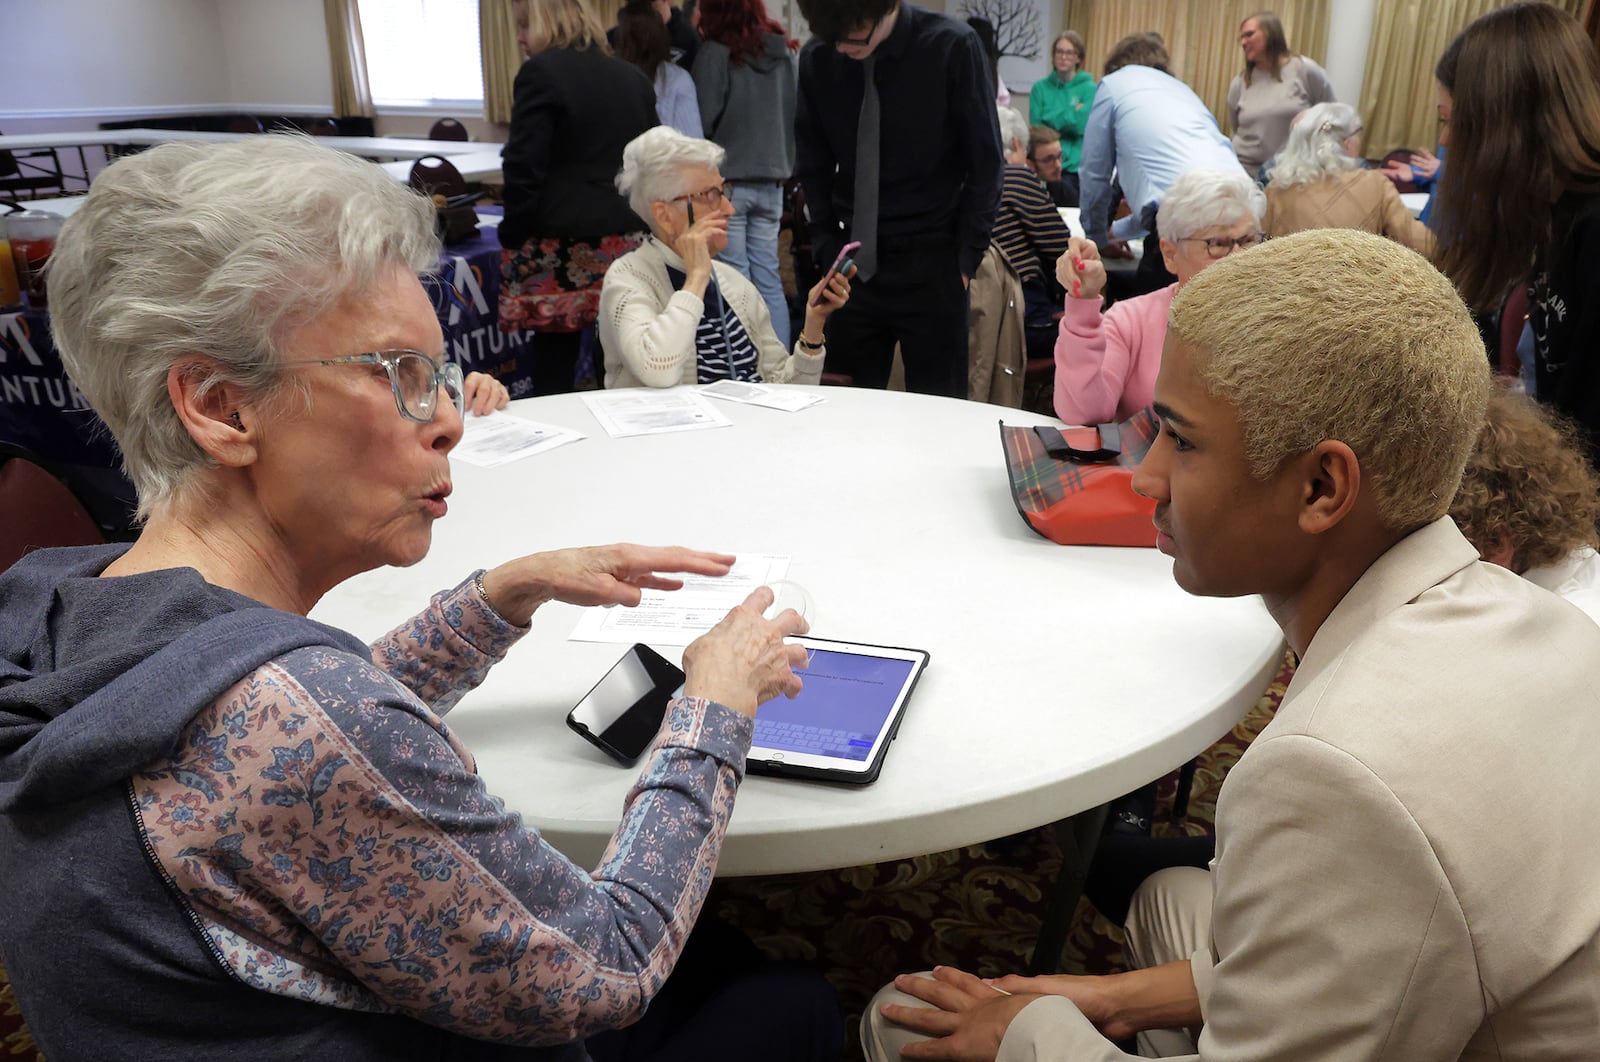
(828, 294)
(743, 662)
(593, 575)
(694, 246)
(484, 394)
(1080, 271)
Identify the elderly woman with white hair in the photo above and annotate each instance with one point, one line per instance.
(671, 315)
(1320, 182)
(228, 831)
(1106, 362)
(1029, 229)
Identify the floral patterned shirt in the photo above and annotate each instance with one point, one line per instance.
(333, 844)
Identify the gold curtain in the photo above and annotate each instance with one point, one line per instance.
(497, 42)
(1398, 94)
(1201, 35)
(352, 95)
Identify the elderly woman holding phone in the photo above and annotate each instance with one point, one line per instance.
(669, 314)
(247, 834)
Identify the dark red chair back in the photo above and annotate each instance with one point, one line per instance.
(1401, 155)
(436, 175)
(448, 129)
(40, 511)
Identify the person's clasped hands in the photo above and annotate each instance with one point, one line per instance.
(968, 1016)
(742, 662)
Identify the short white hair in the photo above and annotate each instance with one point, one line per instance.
(1201, 199)
(1013, 127)
(653, 164)
(219, 250)
(1316, 145)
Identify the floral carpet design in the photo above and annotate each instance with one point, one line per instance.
(978, 907)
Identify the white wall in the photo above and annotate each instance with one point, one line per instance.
(1349, 36)
(69, 64)
(70, 57)
(277, 54)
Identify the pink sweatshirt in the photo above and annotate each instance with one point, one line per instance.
(1106, 363)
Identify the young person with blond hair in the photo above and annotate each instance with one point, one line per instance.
(1396, 878)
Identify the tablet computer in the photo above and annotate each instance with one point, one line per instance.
(839, 728)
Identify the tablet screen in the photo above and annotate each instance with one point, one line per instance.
(843, 718)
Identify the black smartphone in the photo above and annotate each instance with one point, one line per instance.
(689, 206)
(621, 715)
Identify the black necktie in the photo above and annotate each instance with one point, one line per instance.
(864, 227)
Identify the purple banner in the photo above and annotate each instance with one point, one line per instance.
(465, 295)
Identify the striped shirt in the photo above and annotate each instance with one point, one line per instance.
(723, 349)
(1028, 228)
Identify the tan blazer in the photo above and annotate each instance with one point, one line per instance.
(1406, 867)
(996, 342)
(1355, 199)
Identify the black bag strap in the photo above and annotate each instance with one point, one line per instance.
(1056, 445)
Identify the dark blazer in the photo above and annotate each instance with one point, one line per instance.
(572, 114)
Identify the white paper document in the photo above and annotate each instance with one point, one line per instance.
(649, 411)
(678, 617)
(499, 438)
(791, 400)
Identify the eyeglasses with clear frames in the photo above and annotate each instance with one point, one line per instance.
(414, 378)
(710, 198)
(1222, 246)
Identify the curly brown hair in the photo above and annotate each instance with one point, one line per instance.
(1528, 482)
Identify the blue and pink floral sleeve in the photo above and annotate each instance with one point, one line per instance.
(333, 840)
(444, 652)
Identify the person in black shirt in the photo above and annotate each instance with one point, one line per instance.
(574, 107)
(1044, 158)
(938, 164)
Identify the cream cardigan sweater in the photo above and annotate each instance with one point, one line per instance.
(647, 329)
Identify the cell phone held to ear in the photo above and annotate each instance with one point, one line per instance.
(621, 715)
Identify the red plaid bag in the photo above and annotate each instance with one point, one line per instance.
(1075, 486)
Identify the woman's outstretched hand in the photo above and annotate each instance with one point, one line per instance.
(593, 575)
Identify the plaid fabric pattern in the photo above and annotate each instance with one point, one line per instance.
(1082, 504)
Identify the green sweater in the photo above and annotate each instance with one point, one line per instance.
(1064, 107)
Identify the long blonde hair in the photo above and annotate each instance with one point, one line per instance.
(563, 24)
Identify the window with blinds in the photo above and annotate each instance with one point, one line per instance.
(422, 53)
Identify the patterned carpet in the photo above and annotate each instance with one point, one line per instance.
(978, 907)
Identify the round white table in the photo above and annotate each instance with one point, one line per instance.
(1061, 677)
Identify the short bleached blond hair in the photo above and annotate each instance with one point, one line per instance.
(1339, 334)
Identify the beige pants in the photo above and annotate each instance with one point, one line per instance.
(1169, 919)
